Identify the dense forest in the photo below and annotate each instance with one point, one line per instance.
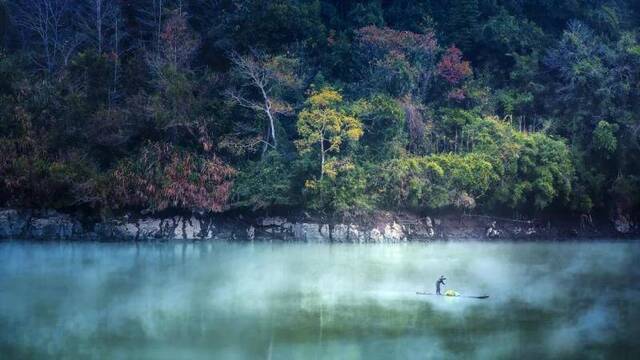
(516, 107)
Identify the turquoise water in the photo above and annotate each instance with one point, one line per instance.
(318, 301)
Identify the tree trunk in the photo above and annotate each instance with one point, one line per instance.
(159, 25)
(267, 109)
(272, 127)
(99, 24)
(321, 158)
(115, 64)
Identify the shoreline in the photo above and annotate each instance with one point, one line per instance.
(380, 227)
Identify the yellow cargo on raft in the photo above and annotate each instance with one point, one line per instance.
(451, 293)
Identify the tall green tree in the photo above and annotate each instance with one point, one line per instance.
(323, 123)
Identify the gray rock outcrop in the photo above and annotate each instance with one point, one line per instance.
(386, 228)
(12, 223)
(492, 231)
(623, 224)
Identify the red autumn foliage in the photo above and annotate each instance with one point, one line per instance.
(163, 176)
(452, 68)
(386, 40)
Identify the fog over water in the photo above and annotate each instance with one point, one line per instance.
(318, 301)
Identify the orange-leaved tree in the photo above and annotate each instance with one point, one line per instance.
(163, 176)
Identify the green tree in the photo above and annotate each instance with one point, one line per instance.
(343, 189)
(463, 23)
(265, 183)
(325, 124)
(604, 137)
(383, 119)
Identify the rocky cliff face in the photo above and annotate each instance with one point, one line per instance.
(51, 225)
(390, 228)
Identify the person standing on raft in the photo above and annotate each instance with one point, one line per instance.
(439, 283)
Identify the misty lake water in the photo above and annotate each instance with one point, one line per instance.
(319, 301)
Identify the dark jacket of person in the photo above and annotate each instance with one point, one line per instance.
(440, 282)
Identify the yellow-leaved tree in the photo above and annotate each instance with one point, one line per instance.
(324, 123)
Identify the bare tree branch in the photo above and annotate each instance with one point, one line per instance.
(47, 24)
(254, 70)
